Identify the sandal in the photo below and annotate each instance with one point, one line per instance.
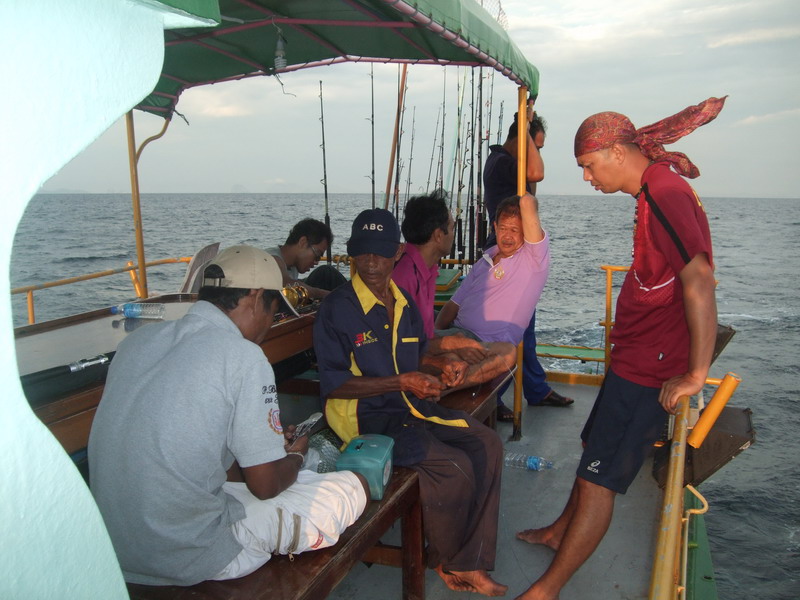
(505, 414)
(556, 399)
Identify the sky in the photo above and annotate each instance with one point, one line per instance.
(647, 60)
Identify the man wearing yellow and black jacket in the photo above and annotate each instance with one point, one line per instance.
(370, 344)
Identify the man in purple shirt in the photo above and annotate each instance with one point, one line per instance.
(428, 229)
(497, 299)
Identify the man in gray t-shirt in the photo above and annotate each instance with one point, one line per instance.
(190, 466)
(306, 244)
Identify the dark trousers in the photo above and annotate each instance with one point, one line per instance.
(534, 386)
(460, 494)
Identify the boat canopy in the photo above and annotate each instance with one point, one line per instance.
(271, 37)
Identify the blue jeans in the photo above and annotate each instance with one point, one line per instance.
(534, 386)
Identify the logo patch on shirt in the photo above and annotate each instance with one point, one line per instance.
(364, 338)
(274, 419)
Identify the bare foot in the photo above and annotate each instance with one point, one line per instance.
(544, 536)
(479, 582)
(453, 582)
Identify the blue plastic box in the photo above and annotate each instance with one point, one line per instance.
(371, 455)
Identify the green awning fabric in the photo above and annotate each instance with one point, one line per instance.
(321, 32)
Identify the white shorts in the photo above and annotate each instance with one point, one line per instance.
(309, 515)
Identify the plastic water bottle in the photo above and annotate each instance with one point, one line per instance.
(523, 461)
(139, 310)
(312, 460)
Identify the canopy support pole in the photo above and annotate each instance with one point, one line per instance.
(522, 188)
(522, 140)
(133, 162)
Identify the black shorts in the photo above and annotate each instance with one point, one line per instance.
(625, 422)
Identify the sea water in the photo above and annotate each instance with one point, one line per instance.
(754, 520)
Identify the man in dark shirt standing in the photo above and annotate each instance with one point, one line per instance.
(499, 183)
(370, 342)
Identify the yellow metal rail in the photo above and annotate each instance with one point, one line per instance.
(718, 401)
(131, 268)
(665, 566)
(608, 321)
(668, 579)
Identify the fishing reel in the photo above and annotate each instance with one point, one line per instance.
(297, 296)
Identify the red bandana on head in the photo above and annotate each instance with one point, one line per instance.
(605, 129)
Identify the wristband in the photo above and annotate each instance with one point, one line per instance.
(300, 454)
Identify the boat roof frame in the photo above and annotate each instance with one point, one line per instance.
(326, 32)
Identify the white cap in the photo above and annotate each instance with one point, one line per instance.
(248, 268)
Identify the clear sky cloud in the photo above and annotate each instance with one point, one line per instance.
(646, 60)
(783, 115)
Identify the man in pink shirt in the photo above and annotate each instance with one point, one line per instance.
(428, 229)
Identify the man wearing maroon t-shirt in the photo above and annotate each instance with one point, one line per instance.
(665, 323)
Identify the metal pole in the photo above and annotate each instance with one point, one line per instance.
(135, 197)
(372, 126)
(400, 93)
(665, 561)
(433, 150)
(522, 140)
(440, 165)
(479, 233)
(324, 166)
(411, 151)
(398, 159)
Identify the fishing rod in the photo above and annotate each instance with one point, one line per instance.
(440, 166)
(469, 222)
(433, 150)
(500, 123)
(400, 92)
(455, 163)
(324, 167)
(490, 105)
(468, 239)
(411, 150)
(460, 162)
(478, 236)
(372, 127)
(399, 154)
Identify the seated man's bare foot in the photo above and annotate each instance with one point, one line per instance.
(452, 581)
(542, 536)
(481, 583)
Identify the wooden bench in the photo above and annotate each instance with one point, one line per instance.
(312, 575)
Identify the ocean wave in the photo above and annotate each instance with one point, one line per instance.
(110, 258)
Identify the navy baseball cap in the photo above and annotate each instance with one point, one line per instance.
(375, 231)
